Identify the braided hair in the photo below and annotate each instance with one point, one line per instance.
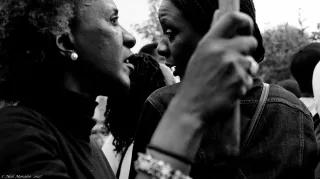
(125, 110)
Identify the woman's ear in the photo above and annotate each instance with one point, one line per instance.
(65, 44)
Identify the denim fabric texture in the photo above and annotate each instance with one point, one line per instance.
(283, 143)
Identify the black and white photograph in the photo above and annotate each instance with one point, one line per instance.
(159, 89)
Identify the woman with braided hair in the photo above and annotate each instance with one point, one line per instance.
(277, 138)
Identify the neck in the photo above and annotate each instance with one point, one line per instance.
(71, 83)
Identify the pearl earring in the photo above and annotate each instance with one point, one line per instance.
(74, 56)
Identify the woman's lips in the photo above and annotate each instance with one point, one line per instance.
(129, 65)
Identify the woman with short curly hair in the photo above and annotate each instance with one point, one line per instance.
(55, 56)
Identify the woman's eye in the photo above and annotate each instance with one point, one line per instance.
(170, 34)
(114, 20)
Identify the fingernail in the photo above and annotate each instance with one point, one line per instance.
(243, 90)
(250, 81)
(254, 66)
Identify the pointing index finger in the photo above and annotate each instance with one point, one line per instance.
(235, 23)
(229, 6)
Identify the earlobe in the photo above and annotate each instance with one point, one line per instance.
(65, 44)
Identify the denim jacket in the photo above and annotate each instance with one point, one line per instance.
(283, 143)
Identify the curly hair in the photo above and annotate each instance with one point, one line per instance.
(27, 35)
(23, 20)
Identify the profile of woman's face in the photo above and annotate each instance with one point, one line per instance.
(103, 45)
(179, 38)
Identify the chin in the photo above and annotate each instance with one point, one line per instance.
(116, 85)
(124, 84)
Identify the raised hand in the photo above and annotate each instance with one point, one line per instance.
(219, 72)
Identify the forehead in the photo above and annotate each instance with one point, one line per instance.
(96, 7)
(167, 8)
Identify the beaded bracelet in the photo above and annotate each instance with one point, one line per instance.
(157, 168)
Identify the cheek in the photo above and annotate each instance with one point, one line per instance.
(110, 40)
(114, 45)
(102, 48)
(108, 58)
(182, 51)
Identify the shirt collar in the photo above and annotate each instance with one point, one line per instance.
(70, 112)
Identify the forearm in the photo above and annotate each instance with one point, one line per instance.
(179, 132)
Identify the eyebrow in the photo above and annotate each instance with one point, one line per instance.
(163, 17)
(112, 12)
(164, 20)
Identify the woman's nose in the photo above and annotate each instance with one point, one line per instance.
(128, 39)
(163, 48)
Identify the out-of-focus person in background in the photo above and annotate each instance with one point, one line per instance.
(99, 132)
(303, 63)
(316, 118)
(151, 49)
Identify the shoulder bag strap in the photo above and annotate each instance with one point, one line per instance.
(257, 114)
